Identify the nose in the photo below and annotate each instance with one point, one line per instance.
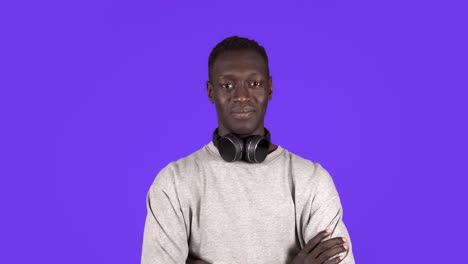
(241, 93)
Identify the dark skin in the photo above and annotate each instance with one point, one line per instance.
(240, 87)
(317, 251)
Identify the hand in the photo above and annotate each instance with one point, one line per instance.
(195, 261)
(316, 252)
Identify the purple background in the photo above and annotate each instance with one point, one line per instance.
(97, 96)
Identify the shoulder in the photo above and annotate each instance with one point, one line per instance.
(309, 173)
(304, 166)
(175, 172)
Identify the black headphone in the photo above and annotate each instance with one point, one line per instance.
(232, 147)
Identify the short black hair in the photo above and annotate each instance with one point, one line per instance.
(235, 43)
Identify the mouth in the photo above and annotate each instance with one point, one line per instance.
(243, 113)
(245, 109)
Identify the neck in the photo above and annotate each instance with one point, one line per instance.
(222, 131)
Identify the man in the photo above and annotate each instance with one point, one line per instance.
(241, 198)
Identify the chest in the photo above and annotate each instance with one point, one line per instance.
(242, 209)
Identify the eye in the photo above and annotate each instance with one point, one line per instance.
(255, 84)
(227, 86)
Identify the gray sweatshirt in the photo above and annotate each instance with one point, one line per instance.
(220, 212)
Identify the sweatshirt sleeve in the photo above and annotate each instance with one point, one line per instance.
(323, 210)
(165, 237)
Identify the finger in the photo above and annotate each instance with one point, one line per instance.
(334, 260)
(315, 240)
(326, 245)
(332, 252)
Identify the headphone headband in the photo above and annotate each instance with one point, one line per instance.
(253, 148)
(217, 137)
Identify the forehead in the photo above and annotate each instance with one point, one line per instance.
(239, 63)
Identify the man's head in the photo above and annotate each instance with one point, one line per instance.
(239, 85)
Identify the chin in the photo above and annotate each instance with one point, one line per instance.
(244, 129)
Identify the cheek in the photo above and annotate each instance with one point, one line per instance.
(261, 98)
(260, 93)
(222, 105)
(223, 101)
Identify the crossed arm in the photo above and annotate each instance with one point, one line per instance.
(166, 239)
(162, 244)
(316, 251)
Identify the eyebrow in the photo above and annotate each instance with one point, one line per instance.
(229, 76)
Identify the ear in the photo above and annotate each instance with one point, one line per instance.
(270, 88)
(209, 91)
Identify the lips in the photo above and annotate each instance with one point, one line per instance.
(242, 113)
(245, 109)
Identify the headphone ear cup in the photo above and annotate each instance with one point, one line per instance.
(256, 149)
(231, 147)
